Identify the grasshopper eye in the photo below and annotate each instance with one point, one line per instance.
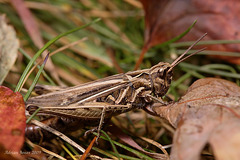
(162, 73)
(165, 72)
(168, 76)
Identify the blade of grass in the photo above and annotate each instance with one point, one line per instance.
(72, 149)
(104, 152)
(158, 145)
(178, 37)
(137, 153)
(20, 83)
(208, 52)
(193, 73)
(36, 79)
(125, 157)
(43, 72)
(180, 80)
(211, 71)
(220, 66)
(68, 152)
(146, 47)
(112, 144)
(34, 114)
(211, 42)
(62, 59)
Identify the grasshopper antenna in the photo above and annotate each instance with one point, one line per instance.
(200, 50)
(179, 59)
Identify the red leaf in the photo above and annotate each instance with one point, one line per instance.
(219, 18)
(12, 121)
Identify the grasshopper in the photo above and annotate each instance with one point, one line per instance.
(97, 101)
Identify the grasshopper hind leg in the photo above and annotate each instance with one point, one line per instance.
(101, 123)
(100, 126)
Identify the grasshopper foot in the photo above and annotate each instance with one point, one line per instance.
(93, 130)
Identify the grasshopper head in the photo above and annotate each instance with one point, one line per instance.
(161, 77)
(161, 74)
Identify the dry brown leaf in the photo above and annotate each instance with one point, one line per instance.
(9, 45)
(219, 18)
(209, 113)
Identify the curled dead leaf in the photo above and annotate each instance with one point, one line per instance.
(209, 113)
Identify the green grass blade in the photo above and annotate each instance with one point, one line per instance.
(104, 152)
(34, 114)
(137, 153)
(43, 72)
(112, 144)
(209, 42)
(208, 52)
(210, 71)
(68, 152)
(125, 157)
(177, 37)
(36, 79)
